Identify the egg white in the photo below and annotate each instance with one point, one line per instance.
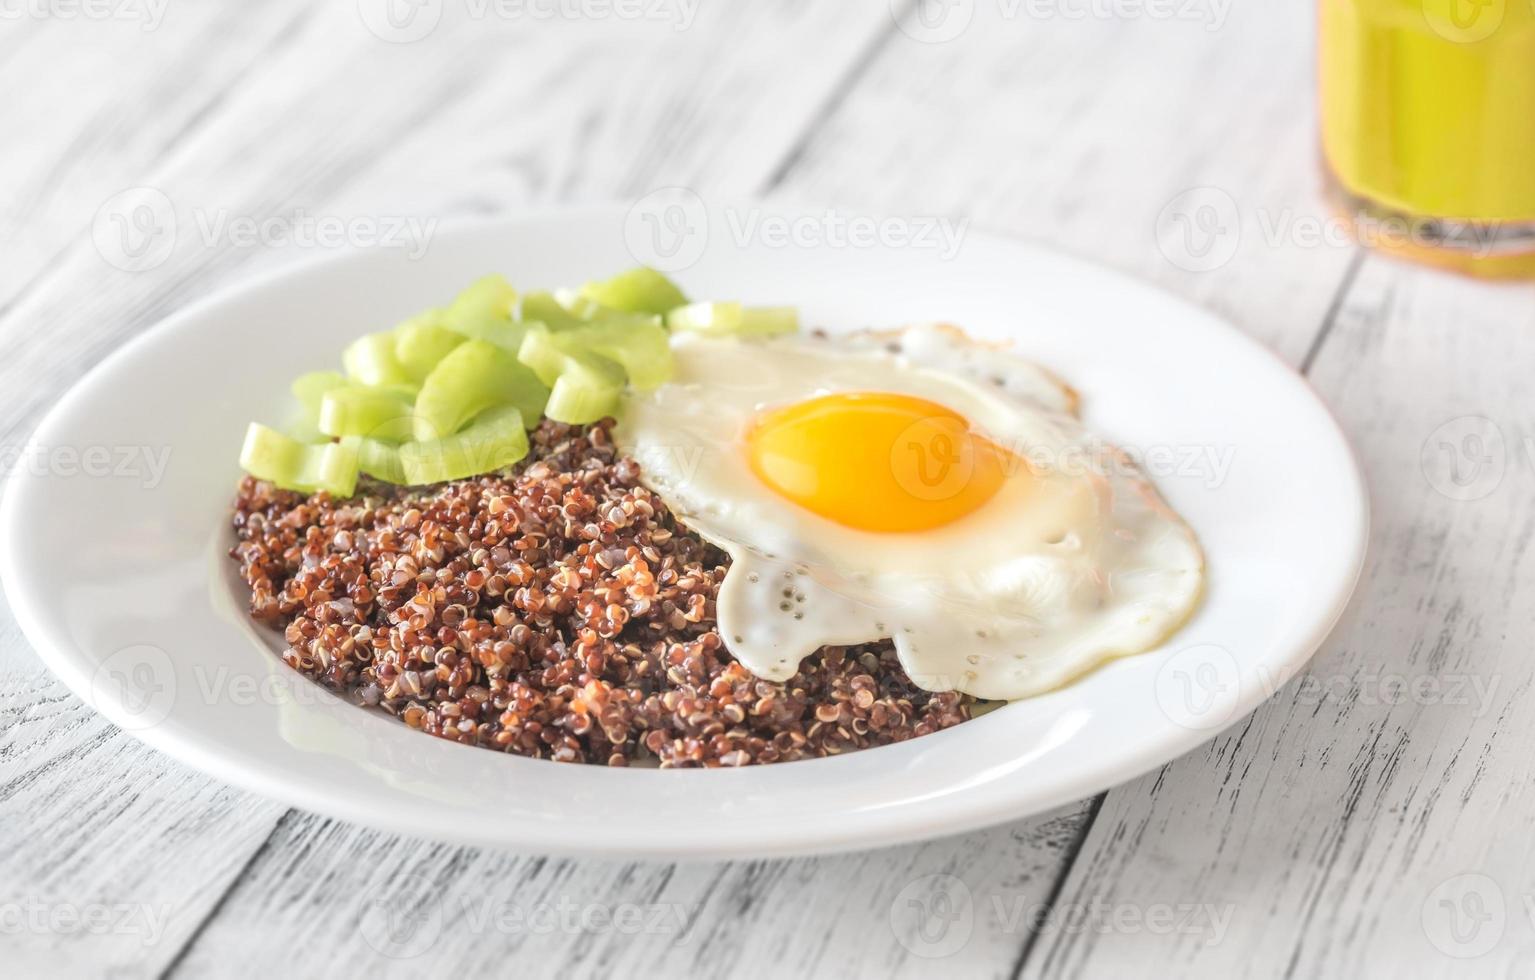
(1077, 562)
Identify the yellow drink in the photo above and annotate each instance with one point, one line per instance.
(1428, 126)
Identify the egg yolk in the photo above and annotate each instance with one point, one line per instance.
(877, 462)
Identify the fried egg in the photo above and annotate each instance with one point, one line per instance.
(917, 486)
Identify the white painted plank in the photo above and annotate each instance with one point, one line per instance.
(354, 901)
(1374, 819)
(1089, 133)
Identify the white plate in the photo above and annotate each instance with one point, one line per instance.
(120, 579)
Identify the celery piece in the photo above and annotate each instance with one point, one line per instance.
(379, 460)
(581, 306)
(475, 376)
(587, 389)
(371, 360)
(496, 439)
(309, 388)
(378, 413)
(421, 342)
(483, 311)
(541, 354)
(542, 307)
(637, 342)
(731, 319)
(269, 455)
(639, 290)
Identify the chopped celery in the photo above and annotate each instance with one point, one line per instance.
(496, 439)
(309, 388)
(587, 389)
(579, 305)
(734, 320)
(379, 460)
(541, 354)
(636, 342)
(304, 424)
(543, 308)
(378, 413)
(483, 311)
(371, 360)
(421, 342)
(475, 376)
(639, 290)
(270, 455)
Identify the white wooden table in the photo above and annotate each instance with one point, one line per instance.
(1374, 818)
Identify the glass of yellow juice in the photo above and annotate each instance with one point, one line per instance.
(1428, 128)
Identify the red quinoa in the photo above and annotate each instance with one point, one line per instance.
(556, 611)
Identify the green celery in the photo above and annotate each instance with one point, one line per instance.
(421, 342)
(377, 413)
(475, 376)
(269, 455)
(371, 360)
(731, 319)
(495, 440)
(639, 290)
